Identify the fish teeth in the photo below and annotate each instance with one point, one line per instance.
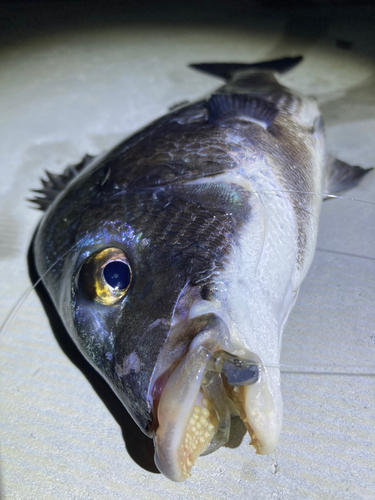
(179, 432)
(202, 427)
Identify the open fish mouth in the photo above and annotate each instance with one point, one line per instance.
(197, 396)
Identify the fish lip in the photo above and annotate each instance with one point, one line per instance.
(184, 385)
(189, 341)
(203, 339)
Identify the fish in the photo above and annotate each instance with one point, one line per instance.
(175, 259)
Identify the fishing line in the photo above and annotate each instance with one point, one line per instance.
(345, 254)
(10, 316)
(323, 195)
(367, 370)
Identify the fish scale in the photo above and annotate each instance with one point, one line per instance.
(171, 225)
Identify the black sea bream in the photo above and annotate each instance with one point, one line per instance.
(177, 257)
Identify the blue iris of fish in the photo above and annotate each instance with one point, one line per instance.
(178, 255)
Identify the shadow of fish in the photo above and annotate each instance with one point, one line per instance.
(175, 259)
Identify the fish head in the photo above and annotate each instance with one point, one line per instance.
(140, 278)
(121, 328)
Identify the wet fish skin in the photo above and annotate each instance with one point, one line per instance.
(149, 309)
(212, 206)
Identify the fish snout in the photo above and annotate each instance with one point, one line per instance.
(194, 394)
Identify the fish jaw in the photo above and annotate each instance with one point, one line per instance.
(195, 406)
(173, 454)
(262, 413)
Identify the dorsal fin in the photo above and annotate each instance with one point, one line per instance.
(228, 70)
(55, 183)
(222, 106)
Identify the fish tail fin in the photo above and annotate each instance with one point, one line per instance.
(228, 70)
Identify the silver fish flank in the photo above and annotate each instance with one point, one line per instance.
(177, 257)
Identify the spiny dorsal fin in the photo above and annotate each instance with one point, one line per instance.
(340, 176)
(56, 183)
(222, 106)
(228, 70)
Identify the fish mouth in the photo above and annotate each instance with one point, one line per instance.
(196, 396)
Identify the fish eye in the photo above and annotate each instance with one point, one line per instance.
(105, 276)
(117, 275)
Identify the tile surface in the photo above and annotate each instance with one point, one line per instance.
(80, 89)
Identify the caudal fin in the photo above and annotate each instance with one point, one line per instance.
(228, 70)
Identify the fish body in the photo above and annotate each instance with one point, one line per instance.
(175, 259)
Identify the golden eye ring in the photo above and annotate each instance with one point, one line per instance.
(105, 276)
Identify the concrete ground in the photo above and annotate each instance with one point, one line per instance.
(76, 80)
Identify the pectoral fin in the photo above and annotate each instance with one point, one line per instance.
(340, 176)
